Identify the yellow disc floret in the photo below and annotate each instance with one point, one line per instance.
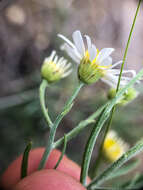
(90, 71)
(113, 146)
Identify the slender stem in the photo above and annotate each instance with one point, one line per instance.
(80, 127)
(63, 152)
(24, 165)
(127, 46)
(132, 152)
(53, 129)
(42, 91)
(98, 161)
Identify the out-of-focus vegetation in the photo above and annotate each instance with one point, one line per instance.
(28, 33)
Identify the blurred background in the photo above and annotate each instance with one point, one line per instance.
(28, 34)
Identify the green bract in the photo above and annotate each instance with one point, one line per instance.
(89, 72)
(50, 72)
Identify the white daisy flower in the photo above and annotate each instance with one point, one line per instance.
(55, 68)
(114, 147)
(93, 64)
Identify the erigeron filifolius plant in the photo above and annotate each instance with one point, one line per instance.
(93, 65)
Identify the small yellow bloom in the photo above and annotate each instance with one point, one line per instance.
(114, 147)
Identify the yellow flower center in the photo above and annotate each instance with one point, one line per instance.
(90, 71)
(94, 61)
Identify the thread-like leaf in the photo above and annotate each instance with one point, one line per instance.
(63, 152)
(24, 165)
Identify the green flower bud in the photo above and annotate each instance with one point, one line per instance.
(126, 98)
(54, 68)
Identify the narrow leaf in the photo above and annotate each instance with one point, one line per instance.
(24, 165)
(63, 152)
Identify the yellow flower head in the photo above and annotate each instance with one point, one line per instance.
(114, 146)
(54, 68)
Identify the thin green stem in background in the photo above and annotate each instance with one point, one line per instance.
(98, 161)
(127, 46)
(42, 92)
(132, 152)
(63, 152)
(53, 129)
(24, 165)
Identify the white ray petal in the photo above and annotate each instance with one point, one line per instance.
(126, 78)
(104, 53)
(60, 61)
(78, 41)
(133, 72)
(110, 79)
(67, 73)
(92, 52)
(63, 63)
(52, 55)
(67, 41)
(117, 71)
(107, 61)
(55, 59)
(67, 66)
(88, 39)
(116, 64)
(72, 53)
